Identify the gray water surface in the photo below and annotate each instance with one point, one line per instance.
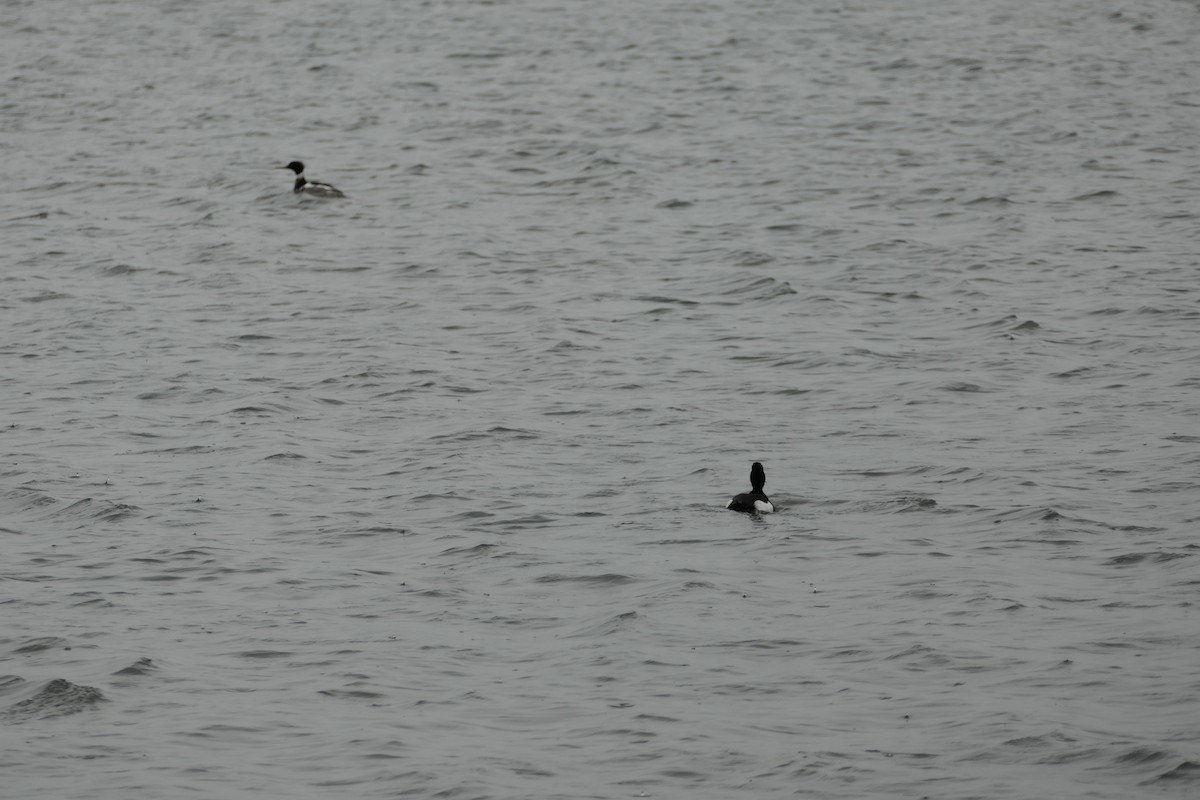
(421, 493)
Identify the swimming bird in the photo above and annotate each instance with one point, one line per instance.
(753, 501)
(304, 186)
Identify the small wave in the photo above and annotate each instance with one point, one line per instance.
(1153, 556)
(46, 296)
(997, 200)
(40, 644)
(962, 386)
(118, 270)
(1185, 772)
(1142, 755)
(350, 694)
(750, 258)
(1102, 194)
(28, 499)
(57, 698)
(607, 627)
(88, 509)
(264, 654)
(606, 579)
(671, 300)
(143, 666)
(481, 549)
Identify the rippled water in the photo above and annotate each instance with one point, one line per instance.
(421, 493)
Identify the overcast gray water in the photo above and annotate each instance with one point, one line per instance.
(421, 493)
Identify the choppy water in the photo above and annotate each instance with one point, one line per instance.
(420, 494)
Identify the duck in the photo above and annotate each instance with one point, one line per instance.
(753, 501)
(312, 188)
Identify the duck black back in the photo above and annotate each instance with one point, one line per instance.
(753, 501)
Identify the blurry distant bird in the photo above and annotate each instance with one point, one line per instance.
(304, 186)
